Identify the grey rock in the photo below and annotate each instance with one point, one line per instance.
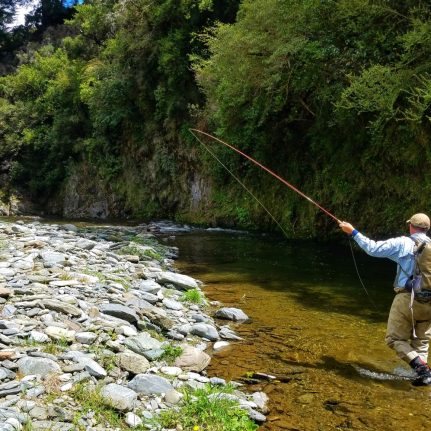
(6, 374)
(172, 304)
(158, 316)
(39, 413)
(204, 330)
(41, 366)
(86, 244)
(132, 362)
(181, 281)
(39, 337)
(85, 337)
(228, 334)
(149, 384)
(120, 311)
(149, 297)
(51, 426)
(8, 311)
(149, 286)
(119, 397)
(61, 307)
(231, 313)
(53, 258)
(142, 343)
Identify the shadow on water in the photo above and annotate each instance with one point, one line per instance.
(315, 276)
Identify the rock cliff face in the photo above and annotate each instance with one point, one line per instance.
(85, 194)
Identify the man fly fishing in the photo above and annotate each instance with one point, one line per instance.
(409, 322)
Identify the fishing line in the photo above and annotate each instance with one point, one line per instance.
(242, 184)
(359, 276)
(285, 183)
(269, 171)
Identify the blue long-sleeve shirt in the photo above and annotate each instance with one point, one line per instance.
(400, 250)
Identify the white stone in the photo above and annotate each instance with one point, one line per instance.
(39, 337)
(66, 387)
(171, 371)
(220, 345)
(133, 420)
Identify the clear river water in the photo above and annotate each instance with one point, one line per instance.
(313, 325)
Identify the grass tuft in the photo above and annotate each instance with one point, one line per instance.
(193, 295)
(207, 410)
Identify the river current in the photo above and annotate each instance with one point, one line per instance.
(313, 325)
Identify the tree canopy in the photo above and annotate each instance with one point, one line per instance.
(335, 95)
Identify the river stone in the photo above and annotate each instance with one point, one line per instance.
(5, 292)
(149, 286)
(7, 272)
(6, 374)
(132, 362)
(158, 316)
(120, 311)
(261, 401)
(220, 345)
(149, 297)
(142, 343)
(70, 227)
(228, 334)
(24, 264)
(39, 337)
(93, 368)
(53, 258)
(235, 314)
(149, 384)
(61, 307)
(173, 397)
(57, 333)
(85, 337)
(41, 366)
(86, 244)
(132, 420)
(119, 397)
(205, 331)
(181, 281)
(192, 359)
(172, 304)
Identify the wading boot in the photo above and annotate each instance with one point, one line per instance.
(422, 370)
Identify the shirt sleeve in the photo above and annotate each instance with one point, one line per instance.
(392, 248)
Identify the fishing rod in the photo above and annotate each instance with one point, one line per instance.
(292, 187)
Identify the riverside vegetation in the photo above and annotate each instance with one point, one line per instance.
(95, 338)
(334, 95)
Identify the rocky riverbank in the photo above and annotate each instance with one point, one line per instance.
(98, 331)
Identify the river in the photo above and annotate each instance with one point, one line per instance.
(312, 323)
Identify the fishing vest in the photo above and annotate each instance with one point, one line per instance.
(421, 278)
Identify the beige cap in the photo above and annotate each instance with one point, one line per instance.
(420, 220)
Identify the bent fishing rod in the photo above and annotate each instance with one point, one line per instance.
(281, 179)
(292, 187)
